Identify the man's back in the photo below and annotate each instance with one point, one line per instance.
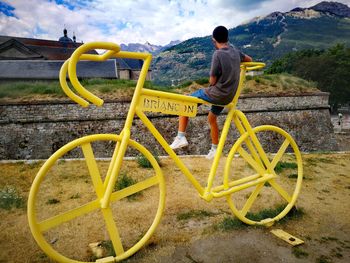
(226, 67)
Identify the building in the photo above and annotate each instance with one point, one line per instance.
(29, 58)
(18, 48)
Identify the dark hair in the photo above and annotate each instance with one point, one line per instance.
(220, 34)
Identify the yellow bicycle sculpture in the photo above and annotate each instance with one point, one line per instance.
(264, 175)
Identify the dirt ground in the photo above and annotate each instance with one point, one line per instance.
(189, 230)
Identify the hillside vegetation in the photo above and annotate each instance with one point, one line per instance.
(268, 84)
(49, 90)
(328, 68)
(123, 89)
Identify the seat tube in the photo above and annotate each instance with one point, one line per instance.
(116, 168)
(221, 145)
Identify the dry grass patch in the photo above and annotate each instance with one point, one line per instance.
(70, 184)
(281, 84)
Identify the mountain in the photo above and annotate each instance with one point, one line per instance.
(334, 8)
(263, 38)
(147, 47)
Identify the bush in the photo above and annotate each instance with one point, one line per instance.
(52, 201)
(231, 223)
(145, 163)
(328, 68)
(125, 181)
(10, 198)
(285, 165)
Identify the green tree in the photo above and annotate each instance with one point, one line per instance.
(329, 68)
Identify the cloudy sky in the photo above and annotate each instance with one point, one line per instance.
(123, 21)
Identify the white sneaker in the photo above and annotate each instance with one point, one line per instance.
(211, 154)
(179, 142)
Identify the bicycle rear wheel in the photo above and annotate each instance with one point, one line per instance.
(64, 208)
(250, 160)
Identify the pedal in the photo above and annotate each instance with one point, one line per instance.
(294, 241)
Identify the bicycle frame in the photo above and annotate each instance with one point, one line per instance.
(145, 100)
(157, 101)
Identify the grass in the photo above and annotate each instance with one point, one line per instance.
(299, 252)
(52, 201)
(230, 223)
(10, 198)
(20, 89)
(108, 249)
(145, 163)
(285, 165)
(325, 239)
(293, 176)
(233, 223)
(316, 160)
(181, 198)
(108, 246)
(264, 84)
(75, 196)
(265, 213)
(194, 214)
(125, 181)
(185, 84)
(278, 84)
(294, 213)
(202, 81)
(26, 88)
(323, 259)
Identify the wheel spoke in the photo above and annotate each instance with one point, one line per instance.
(251, 199)
(113, 231)
(280, 153)
(261, 152)
(253, 151)
(99, 188)
(255, 155)
(246, 156)
(248, 141)
(69, 215)
(134, 188)
(280, 190)
(93, 169)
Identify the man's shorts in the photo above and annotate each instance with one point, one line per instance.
(216, 110)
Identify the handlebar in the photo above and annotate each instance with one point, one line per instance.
(249, 66)
(71, 66)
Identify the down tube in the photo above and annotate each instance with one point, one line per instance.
(171, 153)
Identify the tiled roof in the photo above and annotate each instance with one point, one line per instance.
(44, 49)
(19, 48)
(127, 63)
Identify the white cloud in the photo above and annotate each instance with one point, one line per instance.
(121, 21)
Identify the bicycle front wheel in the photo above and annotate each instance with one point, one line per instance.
(250, 161)
(64, 205)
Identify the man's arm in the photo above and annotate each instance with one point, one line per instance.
(212, 80)
(247, 59)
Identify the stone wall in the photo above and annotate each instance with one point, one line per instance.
(36, 130)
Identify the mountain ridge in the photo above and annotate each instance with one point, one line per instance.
(148, 47)
(264, 38)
